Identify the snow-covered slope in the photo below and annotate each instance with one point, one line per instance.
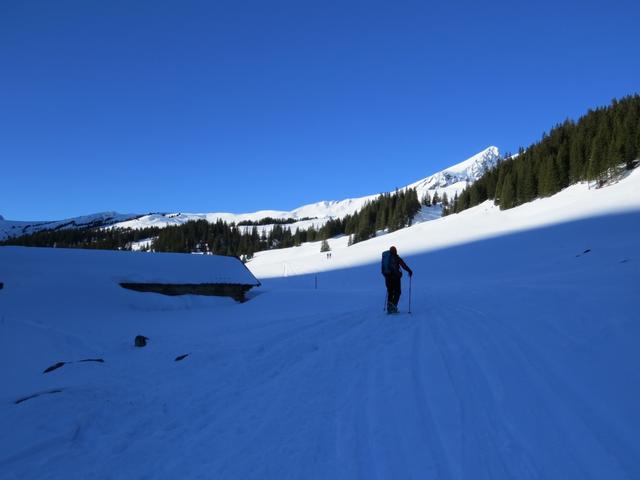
(519, 359)
(450, 181)
(10, 228)
(483, 221)
(454, 179)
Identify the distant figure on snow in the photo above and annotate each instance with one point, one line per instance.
(391, 263)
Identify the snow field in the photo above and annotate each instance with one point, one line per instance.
(518, 361)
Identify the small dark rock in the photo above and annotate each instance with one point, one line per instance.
(140, 341)
(53, 367)
(181, 357)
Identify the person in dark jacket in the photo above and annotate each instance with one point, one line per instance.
(392, 275)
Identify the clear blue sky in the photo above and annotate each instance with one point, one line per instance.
(243, 105)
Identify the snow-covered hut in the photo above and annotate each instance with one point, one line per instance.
(182, 274)
(166, 273)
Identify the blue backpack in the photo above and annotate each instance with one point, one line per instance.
(388, 264)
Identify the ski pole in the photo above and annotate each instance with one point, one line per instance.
(410, 293)
(386, 299)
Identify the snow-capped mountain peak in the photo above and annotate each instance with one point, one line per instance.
(467, 171)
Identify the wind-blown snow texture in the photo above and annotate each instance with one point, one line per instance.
(450, 181)
(519, 359)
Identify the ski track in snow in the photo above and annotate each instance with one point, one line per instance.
(435, 394)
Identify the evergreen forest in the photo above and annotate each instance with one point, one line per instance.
(597, 148)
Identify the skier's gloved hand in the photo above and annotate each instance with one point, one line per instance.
(410, 273)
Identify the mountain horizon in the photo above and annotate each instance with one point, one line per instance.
(450, 180)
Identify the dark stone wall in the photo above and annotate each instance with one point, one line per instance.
(235, 291)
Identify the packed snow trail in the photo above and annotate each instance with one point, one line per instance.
(522, 364)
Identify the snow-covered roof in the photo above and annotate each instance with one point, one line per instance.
(54, 264)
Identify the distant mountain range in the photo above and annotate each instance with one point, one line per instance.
(11, 228)
(451, 180)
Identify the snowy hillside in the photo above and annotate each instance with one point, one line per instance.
(484, 221)
(518, 361)
(10, 228)
(449, 181)
(454, 179)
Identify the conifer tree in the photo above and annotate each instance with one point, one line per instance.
(597, 162)
(550, 180)
(577, 158)
(562, 165)
(507, 198)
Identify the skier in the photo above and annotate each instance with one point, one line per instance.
(391, 263)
